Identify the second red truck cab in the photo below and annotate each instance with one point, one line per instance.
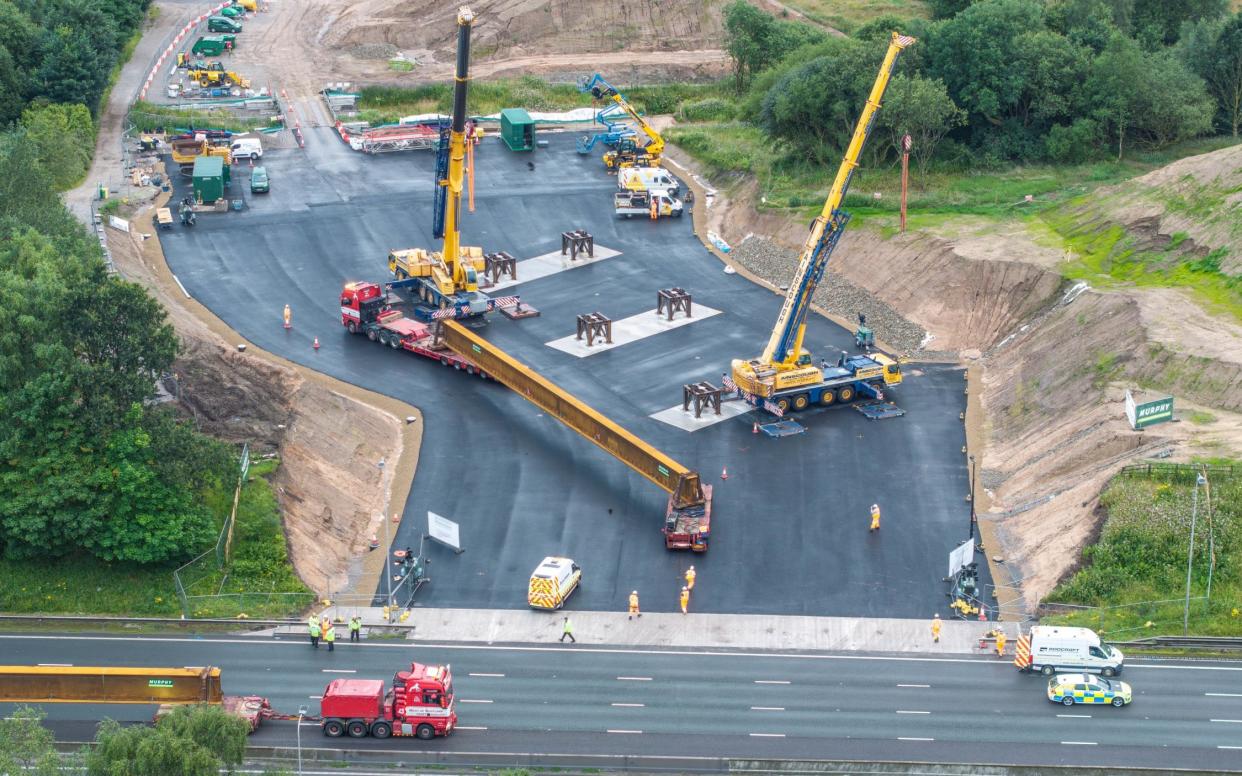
(420, 703)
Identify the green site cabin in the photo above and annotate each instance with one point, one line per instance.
(517, 129)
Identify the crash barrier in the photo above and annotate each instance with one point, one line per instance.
(176, 43)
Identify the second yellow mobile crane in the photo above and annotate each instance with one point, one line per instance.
(784, 377)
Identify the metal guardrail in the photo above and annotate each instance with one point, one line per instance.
(65, 619)
(1217, 643)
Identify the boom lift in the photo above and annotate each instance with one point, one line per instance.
(687, 516)
(783, 376)
(447, 280)
(626, 153)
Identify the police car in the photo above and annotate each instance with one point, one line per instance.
(1087, 688)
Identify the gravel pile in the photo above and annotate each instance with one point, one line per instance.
(373, 51)
(837, 295)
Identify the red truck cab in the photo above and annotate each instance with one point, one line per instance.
(420, 704)
(361, 303)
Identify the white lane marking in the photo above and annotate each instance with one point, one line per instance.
(913, 738)
(903, 711)
(187, 293)
(767, 735)
(771, 681)
(472, 700)
(1222, 746)
(633, 732)
(498, 676)
(1079, 743)
(1076, 716)
(57, 665)
(315, 697)
(633, 678)
(1209, 694)
(1238, 721)
(309, 724)
(339, 671)
(301, 643)
(469, 727)
(767, 708)
(914, 685)
(630, 705)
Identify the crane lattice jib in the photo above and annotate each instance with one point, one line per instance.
(462, 272)
(785, 344)
(683, 484)
(601, 89)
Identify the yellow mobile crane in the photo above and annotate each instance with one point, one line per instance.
(447, 280)
(626, 153)
(783, 376)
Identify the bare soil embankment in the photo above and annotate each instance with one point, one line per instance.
(1050, 361)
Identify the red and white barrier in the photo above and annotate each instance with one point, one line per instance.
(176, 42)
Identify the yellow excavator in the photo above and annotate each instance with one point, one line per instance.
(783, 377)
(214, 74)
(626, 153)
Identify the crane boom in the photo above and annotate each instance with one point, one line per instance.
(463, 272)
(602, 90)
(681, 483)
(784, 351)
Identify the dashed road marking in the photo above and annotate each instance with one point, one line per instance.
(1213, 694)
(496, 676)
(630, 705)
(469, 727)
(767, 735)
(339, 671)
(913, 738)
(315, 697)
(472, 700)
(1223, 746)
(914, 685)
(905, 711)
(633, 678)
(1076, 716)
(631, 732)
(767, 708)
(1080, 743)
(1235, 721)
(772, 681)
(57, 665)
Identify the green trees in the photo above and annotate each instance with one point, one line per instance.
(921, 108)
(1213, 50)
(26, 746)
(64, 136)
(755, 40)
(191, 741)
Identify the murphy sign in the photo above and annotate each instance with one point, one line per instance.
(1148, 413)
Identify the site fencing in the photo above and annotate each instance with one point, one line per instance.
(1181, 471)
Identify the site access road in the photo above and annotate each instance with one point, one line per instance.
(598, 702)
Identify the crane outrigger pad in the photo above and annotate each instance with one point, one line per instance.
(782, 428)
(879, 410)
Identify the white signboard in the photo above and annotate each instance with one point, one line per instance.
(443, 531)
(118, 223)
(961, 557)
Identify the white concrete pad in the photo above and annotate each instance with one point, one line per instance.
(632, 329)
(685, 420)
(550, 264)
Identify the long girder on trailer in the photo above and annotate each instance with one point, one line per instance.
(97, 684)
(682, 483)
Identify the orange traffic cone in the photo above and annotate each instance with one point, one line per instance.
(374, 542)
(315, 344)
(724, 473)
(754, 429)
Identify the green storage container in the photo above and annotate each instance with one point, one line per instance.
(517, 129)
(208, 178)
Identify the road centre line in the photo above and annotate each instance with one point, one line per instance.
(903, 711)
(1224, 694)
(1237, 721)
(767, 708)
(633, 678)
(630, 705)
(772, 681)
(632, 732)
(471, 700)
(469, 727)
(315, 697)
(767, 735)
(339, 671)
(913, 738)
(300, 644)
(1222, 746)
(1076, 716)
(1079, 743)
(56, 665)
(914, 685)
(497, 676)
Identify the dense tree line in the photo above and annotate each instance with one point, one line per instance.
(1059, 80)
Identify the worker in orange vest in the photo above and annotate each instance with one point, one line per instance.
(1000, 643)
(634, 605)
(685, 599)
(935, 625)
(288, 317)
(875, 517)
(690, 575)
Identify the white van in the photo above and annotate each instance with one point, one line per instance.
(646, 179)
(247, 148)
(1055, 649)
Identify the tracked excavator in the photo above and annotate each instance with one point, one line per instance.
(783, 377)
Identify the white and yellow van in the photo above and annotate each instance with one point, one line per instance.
(552, 583)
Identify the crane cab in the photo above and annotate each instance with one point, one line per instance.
(892, 368)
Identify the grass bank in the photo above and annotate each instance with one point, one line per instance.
(848, 15)
(149, 117)
(1136, 572)
(259, 582)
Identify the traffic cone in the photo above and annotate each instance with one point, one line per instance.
(724, 473)
(396, 517)
(315, 344)
(754, 428)
(374, 542)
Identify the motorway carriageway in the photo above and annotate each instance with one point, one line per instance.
(601, 702)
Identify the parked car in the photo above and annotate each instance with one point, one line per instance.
(259, 182)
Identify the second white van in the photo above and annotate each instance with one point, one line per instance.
(1055, 649)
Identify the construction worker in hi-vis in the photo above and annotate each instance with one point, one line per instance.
(690, 575)
(634, 605)
(875, 517)
(935, 626)
(685, 600)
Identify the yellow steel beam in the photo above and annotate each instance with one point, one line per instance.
(101, 684)
(674, 478)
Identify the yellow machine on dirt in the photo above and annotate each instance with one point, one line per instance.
(626, 153)
(784, 376)
(214, 74)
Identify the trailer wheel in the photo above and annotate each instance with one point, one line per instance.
(371, 335)
(801, 401)
(443, 361)
(333, 728)
(829, 396)
(394, 343)
(381, 729)
(356, 728)
(846, 394)
(425, 732)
